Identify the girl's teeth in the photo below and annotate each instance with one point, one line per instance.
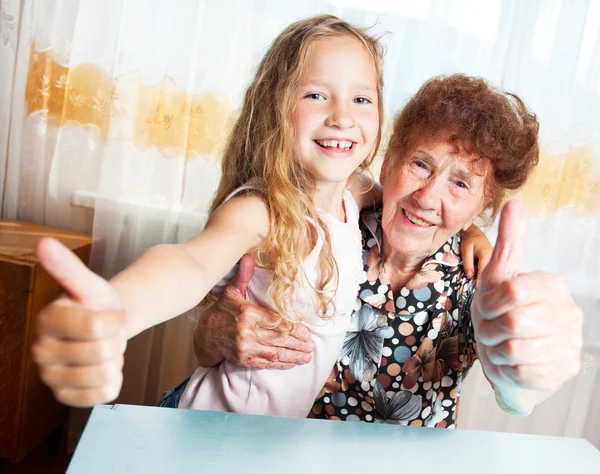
(341, 144)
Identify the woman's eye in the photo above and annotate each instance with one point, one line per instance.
(420, 168)
(462, 185)
(362, 100)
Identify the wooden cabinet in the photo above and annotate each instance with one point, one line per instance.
(28, 411)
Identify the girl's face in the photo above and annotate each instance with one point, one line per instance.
(336, 118)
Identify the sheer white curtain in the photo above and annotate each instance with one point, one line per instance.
(112, 113)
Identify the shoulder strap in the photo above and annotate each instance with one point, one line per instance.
(252, 185)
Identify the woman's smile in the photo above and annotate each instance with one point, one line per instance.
(413, 220)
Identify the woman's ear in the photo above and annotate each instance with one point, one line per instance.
(485, 206)
(385, 167)
(382, 174)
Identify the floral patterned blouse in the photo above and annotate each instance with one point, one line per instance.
(405, 355)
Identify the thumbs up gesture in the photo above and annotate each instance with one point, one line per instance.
(527, 327)
(80, 338)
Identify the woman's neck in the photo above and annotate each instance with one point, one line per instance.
(329, 197)
(399, 266)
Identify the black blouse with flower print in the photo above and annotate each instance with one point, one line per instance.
(405, 355)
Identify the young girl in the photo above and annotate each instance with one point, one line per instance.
(310, 119)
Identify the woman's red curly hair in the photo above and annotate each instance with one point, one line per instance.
(484, 122)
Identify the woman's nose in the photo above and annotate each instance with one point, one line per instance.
(340, 116)
(429, 195)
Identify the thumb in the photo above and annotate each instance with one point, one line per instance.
(244, 275)
(82, 285)
(506, 257)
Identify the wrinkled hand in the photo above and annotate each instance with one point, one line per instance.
(79, 338)
(528, 329)
(248, 334)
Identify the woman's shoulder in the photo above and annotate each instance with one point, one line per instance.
(370, 218)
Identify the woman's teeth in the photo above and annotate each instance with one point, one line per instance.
(415, 220)
(341, 144)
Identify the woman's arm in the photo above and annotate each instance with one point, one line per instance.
(244, 333)
(528, 328)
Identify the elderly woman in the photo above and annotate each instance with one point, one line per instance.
(457, 148)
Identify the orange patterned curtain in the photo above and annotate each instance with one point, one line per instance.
(570, 179)
(124, 107)
(175, 121)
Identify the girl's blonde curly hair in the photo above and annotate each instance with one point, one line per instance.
(261, 146)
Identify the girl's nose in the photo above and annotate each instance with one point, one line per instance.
(340, 117)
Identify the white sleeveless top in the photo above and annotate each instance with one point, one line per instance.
(234, 388)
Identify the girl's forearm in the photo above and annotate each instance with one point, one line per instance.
(169, 280)
(161, 284)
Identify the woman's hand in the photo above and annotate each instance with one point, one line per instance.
(476, 251)
(528, 329)
(80, 338)
(248, 334)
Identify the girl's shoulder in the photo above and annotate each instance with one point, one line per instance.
(365, 190)
(244, 208)
(245, 215)
(237, 227)
(246, 202)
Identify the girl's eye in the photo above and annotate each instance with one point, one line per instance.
(461, 185)
(362, 100)
(315, 96)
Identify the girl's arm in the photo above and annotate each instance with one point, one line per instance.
(80, 338)
(170, 279)
(476, 251)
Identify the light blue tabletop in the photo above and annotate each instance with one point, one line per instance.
(134, 439)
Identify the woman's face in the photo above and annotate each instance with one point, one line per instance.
(431, 190)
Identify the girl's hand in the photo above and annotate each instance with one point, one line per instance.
(80, 338)
(476, 251)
